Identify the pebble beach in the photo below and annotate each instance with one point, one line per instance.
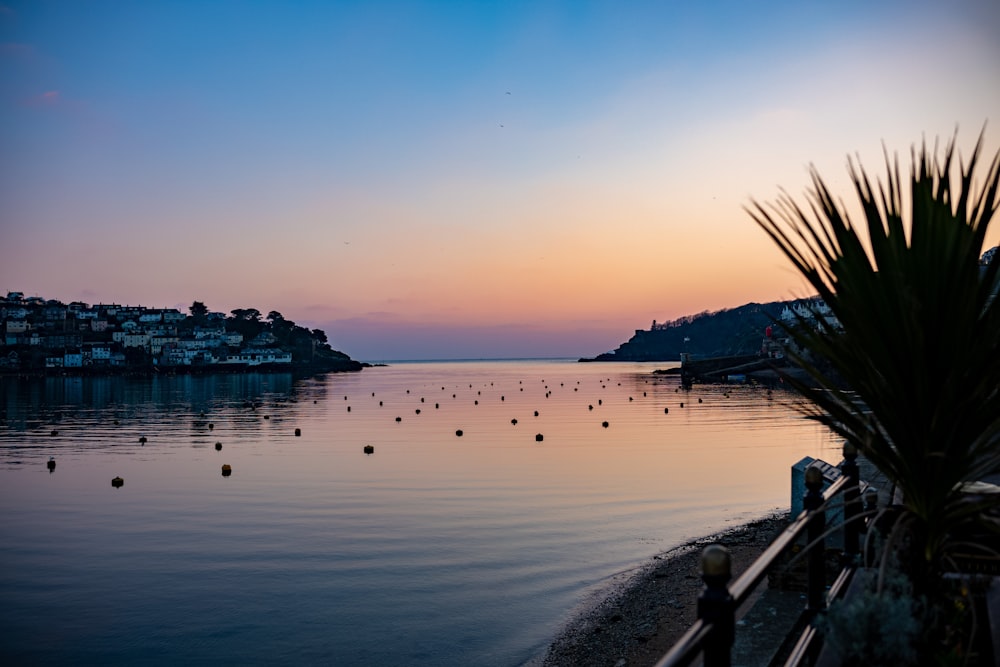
(648, 609)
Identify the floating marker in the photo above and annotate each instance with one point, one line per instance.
(539, 437)
(51, 465)
(459, 433)
(604, 424)
(142, 440)
(218, 446)
(369, 449)
(399, 419)
(118, 482)
(514, 422)
(227, 470)
(298, 432)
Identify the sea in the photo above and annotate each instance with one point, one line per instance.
(417, 513)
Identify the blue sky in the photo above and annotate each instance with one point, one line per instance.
(452, 179)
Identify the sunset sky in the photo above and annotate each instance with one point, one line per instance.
(455, 179)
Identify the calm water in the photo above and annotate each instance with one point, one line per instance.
(435, 550)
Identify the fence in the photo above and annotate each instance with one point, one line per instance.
(712, 635)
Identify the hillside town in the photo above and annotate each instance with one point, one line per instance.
(48, 336)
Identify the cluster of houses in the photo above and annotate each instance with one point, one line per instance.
(42, 334)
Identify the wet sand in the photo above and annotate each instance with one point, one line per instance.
(649, 609)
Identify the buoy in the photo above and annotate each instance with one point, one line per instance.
(117, 422)
(211, 426)
(348, 408)
(539, 437)
(218, 446)
(590, 407)
(421, 399)
(399, 419)
(227, 470)
(604, 424)
(267, 416)
(380, 404)
(54, 432)
(369, 449)
(666, 410)
(699, 400)
(536, 413)
(117, 482)
(629, 399)
(682, 404)
(298, 432)
(459, 433)
(436, 406)
(477, 402)
(142, 440)
(51, 465)
(514, 422)
(417, 411)
(600, 401)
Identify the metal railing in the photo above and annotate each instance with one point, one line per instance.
(713, 634)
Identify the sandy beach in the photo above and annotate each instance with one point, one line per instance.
(650, 608)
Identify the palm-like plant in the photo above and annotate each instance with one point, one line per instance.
(915, 381)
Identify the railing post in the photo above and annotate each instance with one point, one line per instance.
(715, 605)
(852, 502)
(871, 505)
(812, 502)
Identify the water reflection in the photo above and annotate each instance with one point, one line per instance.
(310, 546)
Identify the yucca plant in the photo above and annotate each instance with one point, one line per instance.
(913, 378)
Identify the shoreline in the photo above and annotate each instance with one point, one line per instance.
(639, 618)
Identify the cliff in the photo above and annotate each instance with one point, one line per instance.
(729, 332)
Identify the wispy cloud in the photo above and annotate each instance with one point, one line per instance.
(48, 99)
(16, 50)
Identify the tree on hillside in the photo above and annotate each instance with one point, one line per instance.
(198, 310)
(245, 321)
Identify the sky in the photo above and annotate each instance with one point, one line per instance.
(432, 180)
